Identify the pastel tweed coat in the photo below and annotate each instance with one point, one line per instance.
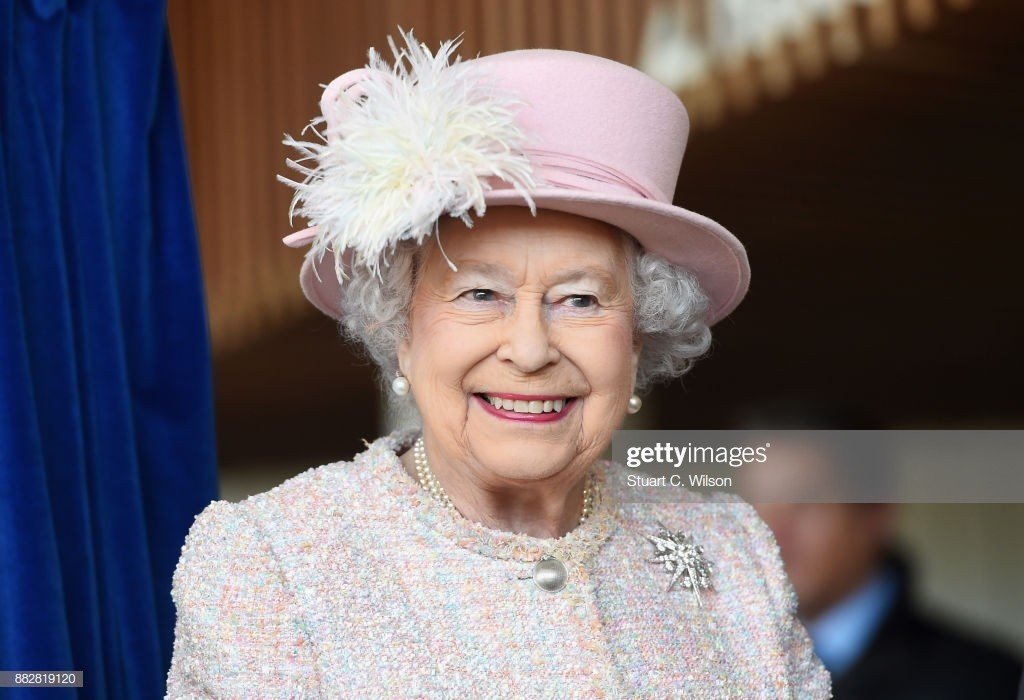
(350, 580)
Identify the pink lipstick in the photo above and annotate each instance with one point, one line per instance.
(528, 417)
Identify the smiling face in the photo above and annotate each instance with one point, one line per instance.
(522, 362)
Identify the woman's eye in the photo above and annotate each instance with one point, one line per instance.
(581, 301)
(479, 294)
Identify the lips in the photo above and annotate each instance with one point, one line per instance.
(526, 407)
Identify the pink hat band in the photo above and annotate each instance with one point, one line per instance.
(578, 173)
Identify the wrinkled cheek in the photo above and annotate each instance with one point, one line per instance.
(610, 375)
(446, 361)
(609, 367)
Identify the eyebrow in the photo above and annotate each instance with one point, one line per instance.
(484, 268)
(600, 274)
(603, 277)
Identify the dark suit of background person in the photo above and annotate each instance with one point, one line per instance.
(912, 656)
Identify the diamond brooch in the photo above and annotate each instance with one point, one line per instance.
(683, 558)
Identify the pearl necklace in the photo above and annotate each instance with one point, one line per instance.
(429, 482)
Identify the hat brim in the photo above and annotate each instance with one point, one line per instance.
(681, 236)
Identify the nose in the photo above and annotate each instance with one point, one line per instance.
(526, 342)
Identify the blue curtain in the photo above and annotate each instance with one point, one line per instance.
(106, 429)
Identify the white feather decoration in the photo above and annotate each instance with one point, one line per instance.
(417, 142)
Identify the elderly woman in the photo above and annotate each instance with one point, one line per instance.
(488, 551)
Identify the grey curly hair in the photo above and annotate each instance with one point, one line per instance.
(669, 311)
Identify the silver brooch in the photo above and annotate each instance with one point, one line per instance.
(684, 559)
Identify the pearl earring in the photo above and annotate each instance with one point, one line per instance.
(400, 385)
(634, 404)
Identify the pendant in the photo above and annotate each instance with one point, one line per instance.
(684, 559)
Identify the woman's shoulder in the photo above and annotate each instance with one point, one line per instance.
(335, 485)
(293, 508)
(236, 628)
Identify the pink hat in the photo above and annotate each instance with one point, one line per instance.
(600, 139)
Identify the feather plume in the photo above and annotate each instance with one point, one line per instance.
(418, 140)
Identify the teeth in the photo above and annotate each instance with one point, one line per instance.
(519, 406)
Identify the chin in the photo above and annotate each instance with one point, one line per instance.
(522, 457)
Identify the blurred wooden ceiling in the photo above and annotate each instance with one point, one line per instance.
(881, 211)
(877, 199)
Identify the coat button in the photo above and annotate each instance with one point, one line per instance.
(550, 574)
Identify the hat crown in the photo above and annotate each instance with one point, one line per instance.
(596, 114)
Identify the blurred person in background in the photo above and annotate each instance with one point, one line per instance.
(855, 587)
